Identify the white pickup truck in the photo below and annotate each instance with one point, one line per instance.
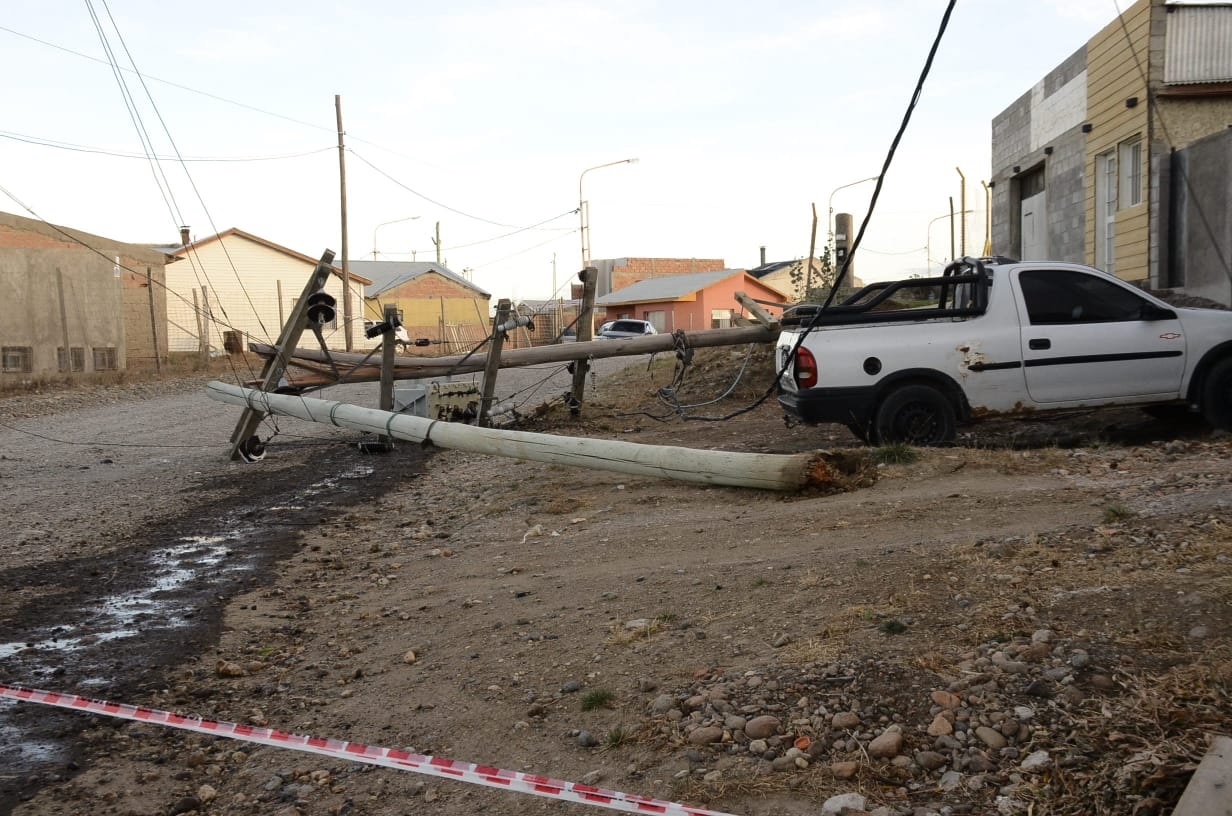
(998, 337)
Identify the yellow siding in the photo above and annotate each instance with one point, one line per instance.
(1115, 69)
(242, 279)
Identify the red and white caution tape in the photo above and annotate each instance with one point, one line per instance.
(370, 754)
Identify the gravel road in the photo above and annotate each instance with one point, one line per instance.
(126, 516)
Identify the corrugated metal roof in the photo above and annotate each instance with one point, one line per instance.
(666, 287)
(1198, 44)
(387, 274)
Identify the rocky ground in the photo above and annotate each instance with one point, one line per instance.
(1033, 621)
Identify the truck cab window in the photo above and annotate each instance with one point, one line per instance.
(1057, 296)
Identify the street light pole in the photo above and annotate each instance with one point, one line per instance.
(830, 208)
(583, 207)
(928, 239)
(387, 223)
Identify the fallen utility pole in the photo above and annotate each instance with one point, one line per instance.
(737, 469)
(243, 439)
(310, 364)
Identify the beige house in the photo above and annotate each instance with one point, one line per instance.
(76, 303)
(235, 287)
(434, 304)
(1118, 156)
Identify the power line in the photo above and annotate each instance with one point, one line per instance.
(415, 192)
(206, 94)
(21, 137)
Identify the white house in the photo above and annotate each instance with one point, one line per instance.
(235, 287)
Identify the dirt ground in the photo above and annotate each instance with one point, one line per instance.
(1035, 620)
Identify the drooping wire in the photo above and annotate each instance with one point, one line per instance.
(76, 148)
(188, 175)
(872, 206)
(415, 192)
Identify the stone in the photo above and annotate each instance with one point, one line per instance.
(946, 699)
(758, 747)
(586, 739)
(930, 760)
(844, 770)
(662, 704)
(762, 727)
(845, 720)
(887, 745)
(1036, 761)
(706, 735)
(940, 726)
(991, 737)
(950, 780)
(835, 805)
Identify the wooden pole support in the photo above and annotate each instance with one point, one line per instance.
(276, 364)
(585, 333)
(759, 314)
(503, 308)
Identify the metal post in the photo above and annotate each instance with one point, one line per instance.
(503, 307)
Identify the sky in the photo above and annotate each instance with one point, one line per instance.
(485, 116)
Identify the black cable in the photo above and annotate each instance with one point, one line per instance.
(872, 205)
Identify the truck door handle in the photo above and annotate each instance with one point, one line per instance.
(1039, 344)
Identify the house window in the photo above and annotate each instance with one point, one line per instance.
(18, 359)
(720, 318)
(658, 319)
(1129, 155)
(1105, 211)
(72, 359)
(105, 359)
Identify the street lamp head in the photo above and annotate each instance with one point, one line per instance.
(386, 223)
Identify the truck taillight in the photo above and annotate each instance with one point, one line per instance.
(806, 368)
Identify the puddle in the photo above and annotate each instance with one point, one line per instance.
(122, 619)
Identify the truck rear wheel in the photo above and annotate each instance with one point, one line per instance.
(1217, 395)
(915, 415)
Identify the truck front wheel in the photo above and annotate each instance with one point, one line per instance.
(915, 415)
(1217, 395)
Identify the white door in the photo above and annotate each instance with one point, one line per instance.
(1034, 228)
(1105, 211)
(1086, 338)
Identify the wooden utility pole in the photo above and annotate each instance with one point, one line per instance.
(585, 333)
(68, 351)
(149, 285)
(503, 308)
(281, 318)
(346, 264)
(388, 344)
(313, 364)
(437, 241)
(808, 277)
(242, 445)
(201, 349)
(207, 322)
(766, 471)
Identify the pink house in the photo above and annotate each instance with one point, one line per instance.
(701, 300)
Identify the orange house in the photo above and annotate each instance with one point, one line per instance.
(701, 300)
